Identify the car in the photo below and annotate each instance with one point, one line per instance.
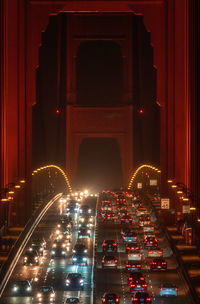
(79, 259)
(130, 237)
(138, 285)
(132, 247)
(108, 216)
(109, 261)
(141, 297)
(155, 252)
(31, 257)
(144, 220)
(120, 199)
(168, 289)
(141, 211)
(61, 243)
(109, 246)
(84, 232)
(106, 206)
(72, 207)
(150, 242)
(58, 252)
(135, 276)
(110, 298)
(158, 264)
(85, 209)
(133, 266)
(75, 280)
(21, 287)
(86, 220)
(148, 228)
(136, 256)
(37, 247)
(125, 219)
(80, 248)
(46, 294)
(72, 300)
(149, 234)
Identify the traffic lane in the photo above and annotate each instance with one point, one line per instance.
(56, 272)
(27, 272)
(169, 276)
(109, 280)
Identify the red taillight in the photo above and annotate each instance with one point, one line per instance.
(142, 278)
(122, 219)
(144, 285)
(117, 300)
(128, 265)
(135, 299)
(150, 251)
(138, 265)
(104, 244)
(130, 219)
(104, 300)
(176, 288)
(128, 248)
(114, 244)
(116, 261)
(161, 288)
(164, 263)
(132, 285)
(103, 261)
(137, 248)
(148, 299)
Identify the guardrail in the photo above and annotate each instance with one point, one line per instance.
(193, 294)
(15, 253)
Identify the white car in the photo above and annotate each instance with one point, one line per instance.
(136, 256)
(155, 252)
(148, 229)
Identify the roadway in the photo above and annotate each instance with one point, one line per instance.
(53, 271)
(115, 280)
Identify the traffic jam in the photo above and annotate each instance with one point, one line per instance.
(107, 250)
(57, 263)
(135, 263)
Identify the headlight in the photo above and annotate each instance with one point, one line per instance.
(25, 258)
(88, 231)
(52, 295)
(28, 288)
(81, 281)
(39, 295)
(89, 211)
(63, 252)
(15, 288)
(54, 245)
(57, 231)
(84, 259)
(85, 250)
(81, 211)
(58, 225)
(67, 281)
(74, 259)
(53, 252)
(36, 258)
(63, 245)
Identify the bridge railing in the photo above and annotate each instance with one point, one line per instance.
(14, 255)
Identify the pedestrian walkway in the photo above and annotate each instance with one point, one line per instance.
(7, 242)
(189, 254)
